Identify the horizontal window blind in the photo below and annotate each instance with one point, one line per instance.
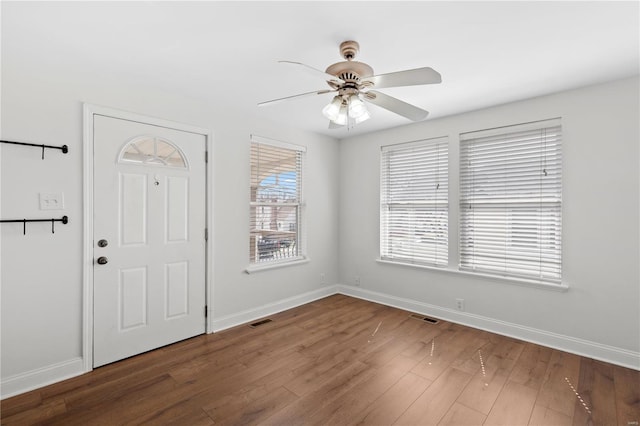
(511, 201)
(414, 202)
(276, 201)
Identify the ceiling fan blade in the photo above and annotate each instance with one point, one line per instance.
(413, 77)
(392, 104)
(301, 95)
(315, 71)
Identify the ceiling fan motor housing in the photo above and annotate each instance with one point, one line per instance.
(350, 71)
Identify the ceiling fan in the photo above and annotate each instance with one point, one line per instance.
(354, 81)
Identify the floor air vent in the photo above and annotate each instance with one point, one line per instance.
(423, 318)
(257, 323)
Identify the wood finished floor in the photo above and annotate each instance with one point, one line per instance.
(342, 361)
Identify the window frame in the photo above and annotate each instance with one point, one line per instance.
(255, 264)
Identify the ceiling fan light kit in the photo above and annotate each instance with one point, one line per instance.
(332, 110)
(350, 79)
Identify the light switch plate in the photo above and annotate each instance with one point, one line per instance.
(51, 201)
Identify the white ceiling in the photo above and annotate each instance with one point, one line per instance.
(487, 52)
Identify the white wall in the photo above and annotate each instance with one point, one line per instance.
(599, 314)
(41, 273)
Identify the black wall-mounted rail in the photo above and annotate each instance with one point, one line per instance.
(63, 148)
(63, 219)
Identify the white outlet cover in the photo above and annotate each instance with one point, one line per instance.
(51, 201)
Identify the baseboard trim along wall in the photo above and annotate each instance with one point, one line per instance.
(610, 354)
(222, 323)
(41, 377)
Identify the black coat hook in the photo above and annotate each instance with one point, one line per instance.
(63, 148)
(63, 219)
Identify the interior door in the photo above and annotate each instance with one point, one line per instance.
(149, 237)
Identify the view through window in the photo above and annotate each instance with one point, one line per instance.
(275, 206)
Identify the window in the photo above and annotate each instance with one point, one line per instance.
(276, 202)
(149, 150)
(414, 202)
(511, 201)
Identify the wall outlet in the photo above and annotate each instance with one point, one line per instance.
(357, 281)
(323, 279)
(460, 304)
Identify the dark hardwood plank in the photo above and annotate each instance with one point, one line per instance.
(332, 388)
(33, 415)
(343, 410)
(513, 406)
(595, 402)
(498, 360)
(390, 405)
(531, 366)
(434, 402)
(627, 385)
(544, 416)
(556, 393)
(460, 415)
(247, 412)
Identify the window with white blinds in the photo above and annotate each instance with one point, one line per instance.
(276, 201)
(511, 201)
(414, 202)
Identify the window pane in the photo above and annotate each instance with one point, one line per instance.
(274, 232)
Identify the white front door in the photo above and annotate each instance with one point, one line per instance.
(149, 237)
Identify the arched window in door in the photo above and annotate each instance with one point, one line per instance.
(150, 150)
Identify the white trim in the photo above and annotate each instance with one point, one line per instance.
(494, 278)
(257, 267)
(89, 111)
(277, 143)
(610, 354)
(34, 379)
(253, 314)
(211, 233)
(87, 237)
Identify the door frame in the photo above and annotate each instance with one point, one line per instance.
(89, 111)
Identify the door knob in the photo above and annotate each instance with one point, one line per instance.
(102, 260)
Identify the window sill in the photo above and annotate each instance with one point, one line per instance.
(494, 278)
(257, 267)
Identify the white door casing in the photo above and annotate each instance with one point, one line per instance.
(152, 288)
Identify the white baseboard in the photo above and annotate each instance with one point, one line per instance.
(222, 323)
(40, 377)
(610, 354)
